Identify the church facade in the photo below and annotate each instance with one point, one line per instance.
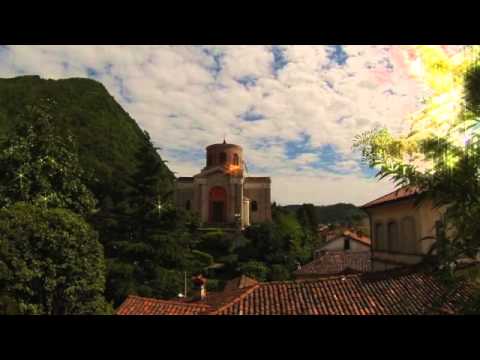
(221, 193)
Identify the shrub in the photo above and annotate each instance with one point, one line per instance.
(254, 269)
(51, 261)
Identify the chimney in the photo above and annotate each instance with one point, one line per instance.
(199, 287)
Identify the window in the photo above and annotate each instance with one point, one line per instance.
(392, 230)
(223, 158)
(346, 243)
(187, 205)
(409, 235)
(235, 159)
(209, 160)
(379, 237)
(254, 206)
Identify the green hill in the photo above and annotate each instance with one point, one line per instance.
(336, 213)
(109, 140)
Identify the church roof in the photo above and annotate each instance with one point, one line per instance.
(224, 145)
(257, 179)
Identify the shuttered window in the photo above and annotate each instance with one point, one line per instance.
(379, 237)
(393, 239)
(409, 235)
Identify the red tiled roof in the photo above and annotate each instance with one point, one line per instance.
(402, 193)
(136, 305)
(337, 262)
(396, 292)
(410, 294)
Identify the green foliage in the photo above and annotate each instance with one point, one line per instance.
(280, 273)
(254, 269)
(40, 166)
(51, 261)
(472, 90)
(280, 245)
(307, 218)
(109, 140)
(451, 183)
(214, 285)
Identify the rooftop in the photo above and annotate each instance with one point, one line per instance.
(336, 262)
(395, 292)
(399, 194)
(136, 305)
(408, 294)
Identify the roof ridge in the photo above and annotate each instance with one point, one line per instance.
(414, 190)
(173, 302)
(327, 277)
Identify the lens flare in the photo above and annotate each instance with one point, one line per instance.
(442, 72)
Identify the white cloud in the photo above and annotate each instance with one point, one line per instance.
(188, 97)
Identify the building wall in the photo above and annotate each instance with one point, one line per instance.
(404, 251)
(259, 191)
(183, 193)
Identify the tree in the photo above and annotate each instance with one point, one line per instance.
(440, 156)
(254, 269)
(50, 261)
(40, 166)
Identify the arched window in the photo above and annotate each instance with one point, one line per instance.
(209, 160)
(187, 205)
(254, 205)
(235, 159)
(223, 158)
(409, 235)
(392, 230)
(379, 237)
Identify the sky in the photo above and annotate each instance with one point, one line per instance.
(294, 109)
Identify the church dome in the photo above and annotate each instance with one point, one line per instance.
(224, 154)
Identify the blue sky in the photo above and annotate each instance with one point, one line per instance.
(294, 109)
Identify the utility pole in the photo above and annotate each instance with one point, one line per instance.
(185, 283)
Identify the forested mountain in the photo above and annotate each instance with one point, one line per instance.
(122, 169)
(109, 140)
(336, 213)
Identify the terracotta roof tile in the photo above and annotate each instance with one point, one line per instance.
(397, 292)
(136, 305)
(412, 293)
(402, 193)
(337, 262)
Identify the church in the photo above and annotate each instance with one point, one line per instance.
(221, 194)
